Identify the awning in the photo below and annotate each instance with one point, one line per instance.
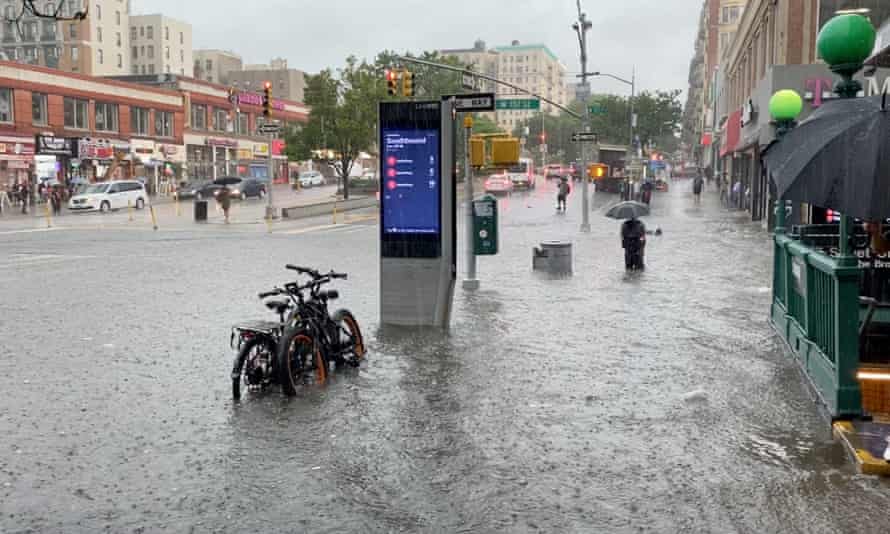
(881, 55)
(733, 133)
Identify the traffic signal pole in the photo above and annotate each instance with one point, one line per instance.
(270, 210)
(581, 27)
(471, 282)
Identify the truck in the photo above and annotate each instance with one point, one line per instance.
(614, 156)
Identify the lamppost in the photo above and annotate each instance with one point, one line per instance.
(845, 42)
(633, 85)
(581, 28)
(784, 107)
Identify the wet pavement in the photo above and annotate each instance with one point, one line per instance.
(605, 402)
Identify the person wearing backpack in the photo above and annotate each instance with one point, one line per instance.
(564, 190)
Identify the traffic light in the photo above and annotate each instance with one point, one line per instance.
(598, 170)
(543, 138)
(407, 84)
(391, 82)
(267, 100)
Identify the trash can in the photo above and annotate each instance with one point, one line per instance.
(200, 211)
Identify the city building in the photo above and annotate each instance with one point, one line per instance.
(79, 124)
(214, 66)
(479, 59)
(534, 68)
(160, 44)
(773, 49)
(219, 134)
(288, 84)
(95, 46)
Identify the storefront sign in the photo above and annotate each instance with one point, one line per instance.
(16, 148)
(278, 147)
(101, 149)
(245, 153)
(260, 149)
(229, 143)
(254, 99)
(55, 146)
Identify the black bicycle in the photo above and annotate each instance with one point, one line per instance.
(315, 332)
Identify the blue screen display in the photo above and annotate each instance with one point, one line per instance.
(410, 181)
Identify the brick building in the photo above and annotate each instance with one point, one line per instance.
(78, 124)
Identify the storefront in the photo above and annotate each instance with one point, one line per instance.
(96, 156)
(16, 159)
(63, 151)
(159, 165)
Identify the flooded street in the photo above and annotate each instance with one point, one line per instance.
(604, 402)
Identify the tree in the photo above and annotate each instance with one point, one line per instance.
(29, 9)
(342, 117)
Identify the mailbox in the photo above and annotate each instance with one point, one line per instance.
(485, 226)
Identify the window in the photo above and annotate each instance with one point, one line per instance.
(151, 51)
(72, 31)
(167, 52)
(135, 52)
(135, 69)
(142, 31)
(99, 34)
(163, 124)
(730, 15)
(143, 69)
(209, 64)
(142, 50)
(199, 117)
(220, 118)
(5, 105)
(74, 54)
(72, 9)
(133, 33)
(49, 30)
(29, 29)
(182, 56)
(120, 61)
(166, 33)
(98, 12)
(76, 113)
(150, 32)
(118, 39)
(139, 121)
(181, 38)
(241, 124)
(38, 108)
(167, 68)
(151, 68)
(117, 17)
(101, 57)
(106, 117)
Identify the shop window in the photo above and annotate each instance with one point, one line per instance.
(38, 108)
(106, 117)
(76, 113)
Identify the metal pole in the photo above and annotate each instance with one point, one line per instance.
(633, 80)
(582, 28)
(270, 211)
(471, 282)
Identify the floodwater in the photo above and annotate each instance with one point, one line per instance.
(602, 402)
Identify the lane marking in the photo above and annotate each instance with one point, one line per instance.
(31, 230)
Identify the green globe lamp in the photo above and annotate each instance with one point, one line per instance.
(845, 42)
(784, 107)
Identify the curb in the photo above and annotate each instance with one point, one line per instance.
(866, 463)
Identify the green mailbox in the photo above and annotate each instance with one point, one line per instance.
(485, 226)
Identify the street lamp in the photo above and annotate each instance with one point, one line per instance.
(784, 107)
(845, 42)
(632, 84)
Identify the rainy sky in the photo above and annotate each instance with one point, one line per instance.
(655, 35)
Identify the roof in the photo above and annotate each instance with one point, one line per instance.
(527, 47)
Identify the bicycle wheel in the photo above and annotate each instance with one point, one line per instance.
(252, 365)
(298, 354)
(350, 343)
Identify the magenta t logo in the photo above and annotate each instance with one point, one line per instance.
(816, 85)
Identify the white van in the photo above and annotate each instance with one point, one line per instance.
(108, 196)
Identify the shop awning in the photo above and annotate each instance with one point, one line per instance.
(732, 133)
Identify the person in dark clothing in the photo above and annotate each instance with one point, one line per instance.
(633, 240)
(646, 191)
(56, 199)
(697, 186)
(562, 194)
(225, 201)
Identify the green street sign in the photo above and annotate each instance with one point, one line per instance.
(518, 103)
(598, 109)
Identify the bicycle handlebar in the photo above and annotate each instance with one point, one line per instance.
(302, 270)
(268, 294)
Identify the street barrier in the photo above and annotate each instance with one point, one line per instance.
(324, 208)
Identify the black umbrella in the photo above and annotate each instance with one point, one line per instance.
(628, 210)
(838, 158)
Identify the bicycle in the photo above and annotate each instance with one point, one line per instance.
(336, 337)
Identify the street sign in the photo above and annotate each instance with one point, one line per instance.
(584, 137)
(518, 103)
(269, 128)
(598, 109)
(474, 102)
(468, 82)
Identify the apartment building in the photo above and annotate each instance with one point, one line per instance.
(214, 66)
(160, 44)
(287, 83)
(480, 59)
(534, 68)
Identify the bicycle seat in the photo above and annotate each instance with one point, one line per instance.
(279, 306)
(331, 294)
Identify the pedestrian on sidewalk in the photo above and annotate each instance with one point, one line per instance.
(225, 201)
(56, 199)
(697, 186)
(25, 193)
(564, 190)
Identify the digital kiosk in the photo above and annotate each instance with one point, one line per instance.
(417, 213)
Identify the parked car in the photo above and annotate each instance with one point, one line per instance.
(311, 179)
(555, 170)
(499, 183)
(522, 180)
(242, 188)
(109, 196)
(189, 190)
